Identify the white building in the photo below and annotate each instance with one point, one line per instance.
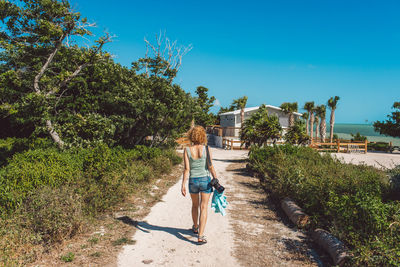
(232, 118)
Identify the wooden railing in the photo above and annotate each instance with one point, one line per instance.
(341, 146)
(223, 131)
(230, 144)
(183, 142)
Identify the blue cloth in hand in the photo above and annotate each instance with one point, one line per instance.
(219, 202)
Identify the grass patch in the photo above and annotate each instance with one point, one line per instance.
(123, 241)
(93, 240)
(69, 257)
(96, 254)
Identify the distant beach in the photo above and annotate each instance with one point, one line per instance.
(344, 130)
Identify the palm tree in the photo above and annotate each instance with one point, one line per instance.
(305, 117)
(290, 108)
(332, 103)
(316, 116)
(322, 125)
(309, 107)
(240, 103)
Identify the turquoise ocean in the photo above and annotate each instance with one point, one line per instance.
(344, 130)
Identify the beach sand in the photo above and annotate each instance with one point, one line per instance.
(378, 160)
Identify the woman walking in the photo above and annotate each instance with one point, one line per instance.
(198, 173)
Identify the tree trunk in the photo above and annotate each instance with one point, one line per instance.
(312, 126)
(291, 119)
(316, 128)
(294, 212)
(323, 129)
(332, 245)
(332, 122)
(54, 135)
(307, 126)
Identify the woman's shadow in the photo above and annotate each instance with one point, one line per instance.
(146, 227)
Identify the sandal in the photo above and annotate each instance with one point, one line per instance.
(195, 229)
(202, 240)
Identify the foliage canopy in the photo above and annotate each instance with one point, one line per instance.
(391, 126)
(51, 86)
(260, 128)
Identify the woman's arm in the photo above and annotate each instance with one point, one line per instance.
(186, 172)
(211, 168)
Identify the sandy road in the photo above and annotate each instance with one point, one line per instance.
(164, 237)
(378, 160)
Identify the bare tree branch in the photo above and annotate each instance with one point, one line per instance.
(46, 65)
(167, 50)
(54, 135)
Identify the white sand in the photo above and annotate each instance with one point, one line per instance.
(378, 160)
(163, 238)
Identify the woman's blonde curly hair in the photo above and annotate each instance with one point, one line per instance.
(197, 135)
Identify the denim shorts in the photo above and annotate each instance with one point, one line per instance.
(200, 184)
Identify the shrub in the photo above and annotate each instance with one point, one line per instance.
(53, 213)
(346, 199)
(32, 169)
(394, 181)
(173, 156)
(378, 146)
(296, 134)
(160, 165)
(11, 146)
(147, 153)
(358, 137)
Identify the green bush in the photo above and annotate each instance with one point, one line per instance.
(346, 199)
(32, 169)
(101, 174)
(147, 153)
(173, 156)
(11, 146)
(378, 146)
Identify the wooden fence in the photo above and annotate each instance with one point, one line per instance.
(230, 144)
(341, 146)
(223, 131)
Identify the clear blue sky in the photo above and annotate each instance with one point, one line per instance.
(271, 51)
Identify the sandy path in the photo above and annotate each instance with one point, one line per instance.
(163, 238)
(378, 160)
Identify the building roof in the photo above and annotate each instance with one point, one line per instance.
(235, 112)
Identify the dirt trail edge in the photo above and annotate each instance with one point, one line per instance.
(164, 238)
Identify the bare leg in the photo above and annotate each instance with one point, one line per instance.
(195, 209)
(205, 197)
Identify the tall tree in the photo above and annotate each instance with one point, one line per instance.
(309, 106)
(77, 95)
(390, 127)
(316, 118)
(240, 103)
(322, 126)
(332, 104)
(290, 109)
(34, 34)
(202, 115)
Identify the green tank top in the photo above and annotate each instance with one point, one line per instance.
(198, 167)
